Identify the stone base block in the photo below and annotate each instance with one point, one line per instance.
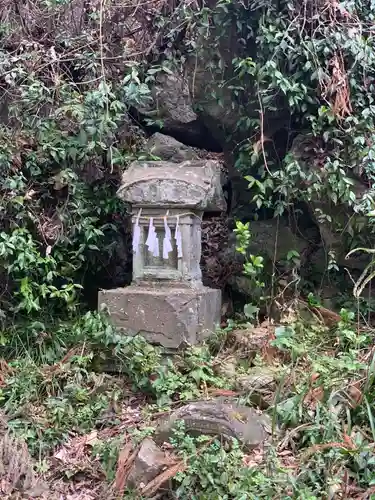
(166, 316)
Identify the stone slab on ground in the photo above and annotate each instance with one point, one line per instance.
(169, 317)
(148, 463)
(259, 384)
(216, 418)
(253, 339)
(258, 378)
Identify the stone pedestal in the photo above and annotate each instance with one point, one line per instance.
(170, 317)
(167, 303)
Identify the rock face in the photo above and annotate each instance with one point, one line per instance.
(216, 418)
(171, 101)
(339, 219)
(216, 107)
(171, 107)
(168, 149)
(270, 239)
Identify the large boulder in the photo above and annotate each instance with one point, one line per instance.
(170, 110)
(207, 97)
(336, 221)
(271, 239)
(166, 148)
(171, 101)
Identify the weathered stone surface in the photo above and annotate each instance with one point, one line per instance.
(168, 149)
(214, 101)
(191, 184)
(164, 315)
(341, 220)
(216, 418)
(319, 260)
(149, 462)
(252, 340)
(171, 102)
(257, 378)
(259, 384)
(227, 368)
(242, 285)
(272, 239)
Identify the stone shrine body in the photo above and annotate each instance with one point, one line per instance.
(167, 303)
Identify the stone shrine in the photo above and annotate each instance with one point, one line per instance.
(167, 302)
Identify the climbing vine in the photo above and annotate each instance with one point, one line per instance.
(302, 81)
(65, 133)
(317, 57)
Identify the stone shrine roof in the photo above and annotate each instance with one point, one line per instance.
(192, 184)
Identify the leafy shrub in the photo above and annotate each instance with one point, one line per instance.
(215, 472)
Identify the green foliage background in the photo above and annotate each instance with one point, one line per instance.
(66, 132)
(71, 75)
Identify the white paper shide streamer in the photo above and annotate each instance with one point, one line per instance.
(178, 238)
(152, 241)
(136, 236)
(167, 244)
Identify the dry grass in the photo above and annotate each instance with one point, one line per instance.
(336, 88)
(17, 472)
